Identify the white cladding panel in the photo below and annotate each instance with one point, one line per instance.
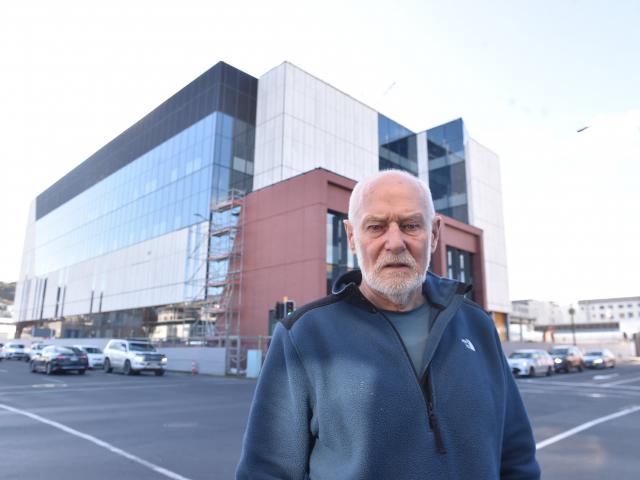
(484, 190)
(25, 291)
(162, 270)
(304, 123)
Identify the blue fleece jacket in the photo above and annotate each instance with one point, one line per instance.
(338, 397)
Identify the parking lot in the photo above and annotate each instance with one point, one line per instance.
(604, 405)
(185, 427)
(105, 426)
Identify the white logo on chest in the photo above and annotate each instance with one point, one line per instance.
(468, 344)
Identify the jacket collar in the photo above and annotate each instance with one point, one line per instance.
(438, 291)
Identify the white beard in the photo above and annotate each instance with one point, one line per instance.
(399, 288)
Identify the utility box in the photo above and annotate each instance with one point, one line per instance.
(254, 363)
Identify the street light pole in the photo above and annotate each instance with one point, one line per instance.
(572, 312)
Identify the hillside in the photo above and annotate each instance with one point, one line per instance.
(7, 291)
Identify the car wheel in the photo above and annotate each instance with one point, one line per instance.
(81, 372)
(532, 372)
(549, 371)
(580, 367)
(159, 373)
(107, 366)
(32, 367)
(49, 369)
(127, 368)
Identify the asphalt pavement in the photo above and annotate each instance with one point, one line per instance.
(105, 426)
(586, 424)
(189, 427)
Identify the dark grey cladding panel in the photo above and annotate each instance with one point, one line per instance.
(222, 88)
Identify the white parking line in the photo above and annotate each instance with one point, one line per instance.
(97, 441)
(585, 426)
(620, 382)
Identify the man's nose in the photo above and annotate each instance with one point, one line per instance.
(394, 240)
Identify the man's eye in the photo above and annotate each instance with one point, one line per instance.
(374, 228)
(411, 227)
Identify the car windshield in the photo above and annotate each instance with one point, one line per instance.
(521, 355)
(560, 351)
(16, 345)
(141, 347)
(92, 350)
(67, 350)
(596, 353)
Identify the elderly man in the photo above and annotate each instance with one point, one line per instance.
(395, 375)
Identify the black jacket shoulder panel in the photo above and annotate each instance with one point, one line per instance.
(291, 319)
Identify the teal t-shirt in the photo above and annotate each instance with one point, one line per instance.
(413, 327)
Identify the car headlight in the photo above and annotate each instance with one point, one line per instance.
(164, 360)
(139, 358)
(557, 360)
(597, 360)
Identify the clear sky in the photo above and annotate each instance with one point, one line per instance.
(525, 75)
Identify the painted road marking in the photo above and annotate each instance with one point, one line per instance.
(605, 377)
(97, 441)
(620, 382)
(585, 426)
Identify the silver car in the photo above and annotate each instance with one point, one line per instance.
(531, 362)
(94, 354)
(602, 358)
(13, 351)
(133, 357)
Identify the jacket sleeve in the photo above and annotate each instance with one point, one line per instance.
(278, 441)
(518, 445)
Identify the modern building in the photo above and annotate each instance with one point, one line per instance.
(623, 311)
(230, 196)
(595, 320)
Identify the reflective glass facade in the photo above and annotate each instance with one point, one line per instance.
(447, 169)
(398, 146)
(339, 257)
(167, 188)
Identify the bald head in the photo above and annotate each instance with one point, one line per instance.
(365, 187)
(393, 230)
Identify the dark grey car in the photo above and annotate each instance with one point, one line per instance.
(55, 358)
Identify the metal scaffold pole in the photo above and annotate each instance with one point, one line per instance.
(221, 306)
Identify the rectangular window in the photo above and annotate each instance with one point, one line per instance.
(339, 258)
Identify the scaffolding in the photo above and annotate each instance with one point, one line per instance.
(220, 311)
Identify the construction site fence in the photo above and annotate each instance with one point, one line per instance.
(236, 347)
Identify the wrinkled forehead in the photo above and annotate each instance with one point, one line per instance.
(392, 197)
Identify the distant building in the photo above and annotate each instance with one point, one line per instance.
(190, 223)
(624, 311)
(537, 311)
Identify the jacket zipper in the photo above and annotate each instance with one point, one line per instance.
(433, 421)
(427, 393)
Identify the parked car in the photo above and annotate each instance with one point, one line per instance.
(34, 350)
(13, 351)
(94, 354)
(132, 357)
(531, 363)
(566, 358)
(599, 359)
(56, 358)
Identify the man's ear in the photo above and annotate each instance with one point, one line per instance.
(348, 227)
(435, 232)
